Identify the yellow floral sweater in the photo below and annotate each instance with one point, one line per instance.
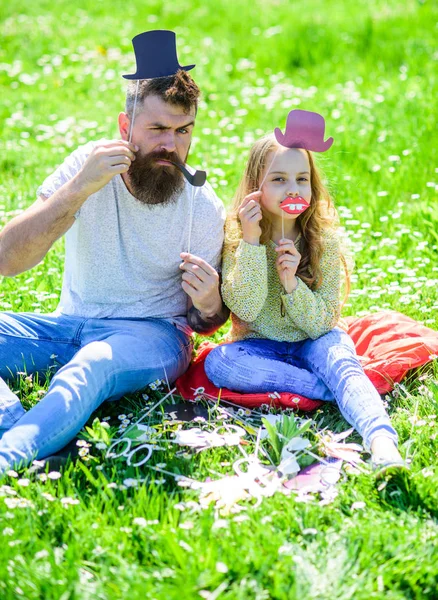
(253, 292)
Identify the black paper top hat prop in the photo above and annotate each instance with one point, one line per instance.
(155, 53)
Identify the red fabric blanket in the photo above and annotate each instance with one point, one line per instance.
(388, 344)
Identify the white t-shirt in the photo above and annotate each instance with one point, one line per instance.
(122, 257)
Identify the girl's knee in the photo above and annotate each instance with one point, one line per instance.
(335, 337)
(213, 358)
(218, 364)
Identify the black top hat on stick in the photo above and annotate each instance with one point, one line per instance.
(155, 53)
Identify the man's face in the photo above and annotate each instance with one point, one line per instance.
(161, 131)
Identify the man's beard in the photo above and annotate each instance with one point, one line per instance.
(152, 183)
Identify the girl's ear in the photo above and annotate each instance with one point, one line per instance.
(124, 123)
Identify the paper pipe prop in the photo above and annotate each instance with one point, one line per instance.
(196, 180)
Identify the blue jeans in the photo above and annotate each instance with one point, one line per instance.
(100, 359)
(323, 369)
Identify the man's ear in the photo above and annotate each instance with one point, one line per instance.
(124, 122)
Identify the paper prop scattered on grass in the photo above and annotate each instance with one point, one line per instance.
(155, 55)
(256, 483)
(201, 439)
(289, 463)
(184, 412)
(332, 446)
(317, 477)
(279, 440)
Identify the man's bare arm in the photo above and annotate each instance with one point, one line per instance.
(25, 241)
(28, 237)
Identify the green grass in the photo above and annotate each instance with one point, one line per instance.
(370, 68)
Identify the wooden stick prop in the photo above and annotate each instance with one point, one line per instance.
(131, 124)
(268, 171)
(282, 236)
(197, 179)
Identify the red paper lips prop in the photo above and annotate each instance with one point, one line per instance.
(294, 206)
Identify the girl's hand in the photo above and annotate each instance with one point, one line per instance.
(250, 215)
(287, 264)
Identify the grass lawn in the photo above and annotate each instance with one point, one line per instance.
(107, 530)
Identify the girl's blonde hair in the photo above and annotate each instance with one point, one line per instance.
(321, 214)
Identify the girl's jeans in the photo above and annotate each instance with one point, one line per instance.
(100, 359)
(323, 369)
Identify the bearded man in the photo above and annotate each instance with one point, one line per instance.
(131, 294)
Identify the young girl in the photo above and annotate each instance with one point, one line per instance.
(281, 280)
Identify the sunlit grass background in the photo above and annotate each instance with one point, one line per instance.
(370, 68)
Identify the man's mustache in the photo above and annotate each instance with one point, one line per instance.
(164, 155)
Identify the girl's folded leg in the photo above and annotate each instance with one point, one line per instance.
(260, 365)
(333, 359)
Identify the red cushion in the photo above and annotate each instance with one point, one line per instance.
(195, 378)
(388, 344)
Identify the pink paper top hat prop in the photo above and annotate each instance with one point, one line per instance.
(304, 129)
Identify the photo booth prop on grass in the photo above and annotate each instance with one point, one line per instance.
(279, 444)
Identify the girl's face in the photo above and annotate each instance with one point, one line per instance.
(288, 183)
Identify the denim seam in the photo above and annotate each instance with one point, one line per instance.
(77, 338)
(11, 416)
(40, 339)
